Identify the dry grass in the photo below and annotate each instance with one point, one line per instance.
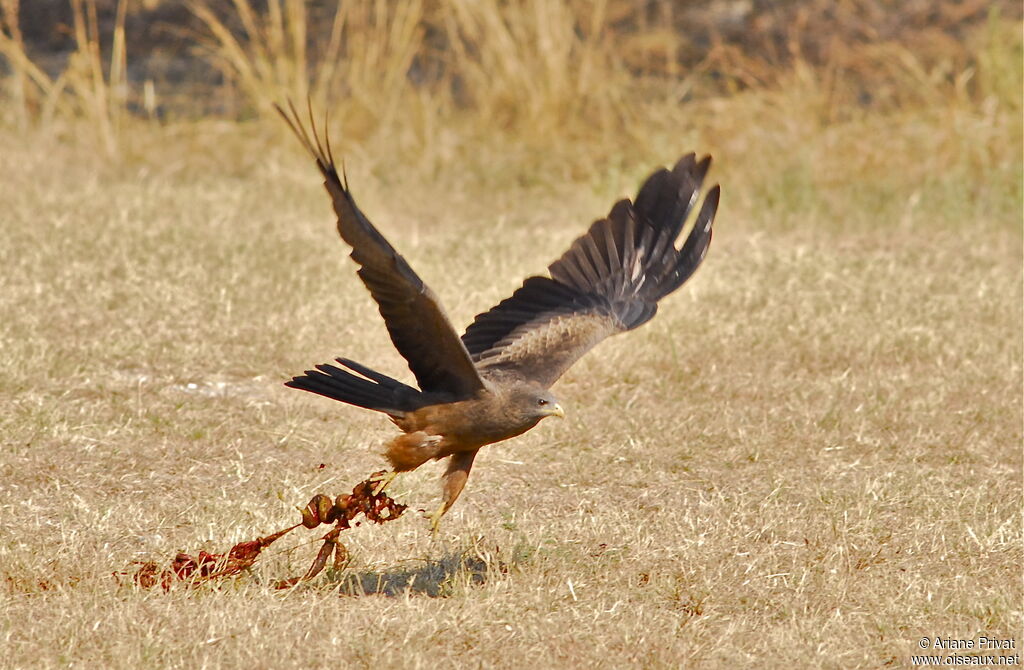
(88, 88)
(811, 458)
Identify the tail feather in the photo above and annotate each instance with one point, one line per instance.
(371, 390)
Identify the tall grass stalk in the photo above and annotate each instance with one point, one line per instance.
(537, 64)
(85, 88)
(102, 96)
(368, 54)
(34, 92)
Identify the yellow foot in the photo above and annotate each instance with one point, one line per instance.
(435, 519)
(384, 482)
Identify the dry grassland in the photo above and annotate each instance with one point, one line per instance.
(810, 458)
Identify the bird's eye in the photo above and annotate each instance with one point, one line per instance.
(542, 402)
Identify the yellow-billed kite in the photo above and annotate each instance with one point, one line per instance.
(493, 382)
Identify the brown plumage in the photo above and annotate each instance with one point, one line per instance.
(492, 383)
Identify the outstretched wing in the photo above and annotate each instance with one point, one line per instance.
(414, 317)
(609, 281)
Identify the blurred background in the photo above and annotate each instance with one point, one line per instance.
(433, 77)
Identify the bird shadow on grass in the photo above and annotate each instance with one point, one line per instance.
(435, 578)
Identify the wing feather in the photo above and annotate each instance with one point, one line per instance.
(416, 322)
(610, 280)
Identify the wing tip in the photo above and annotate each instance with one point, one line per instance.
(319, 148)
(710, 207)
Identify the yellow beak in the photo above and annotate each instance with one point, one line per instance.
(556, 410)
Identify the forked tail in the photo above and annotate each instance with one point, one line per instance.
(369, 388)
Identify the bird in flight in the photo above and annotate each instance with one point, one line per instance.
(494, 382)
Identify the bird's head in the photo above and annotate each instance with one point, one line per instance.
(536, 402)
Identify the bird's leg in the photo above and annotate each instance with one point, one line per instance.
(435, 519)
(408, 452)
(452, 483)
(384, 481)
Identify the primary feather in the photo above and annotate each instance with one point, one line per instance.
(609, 281)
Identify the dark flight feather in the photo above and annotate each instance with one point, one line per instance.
(610, 280)
(372, 390)
(416, 322)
